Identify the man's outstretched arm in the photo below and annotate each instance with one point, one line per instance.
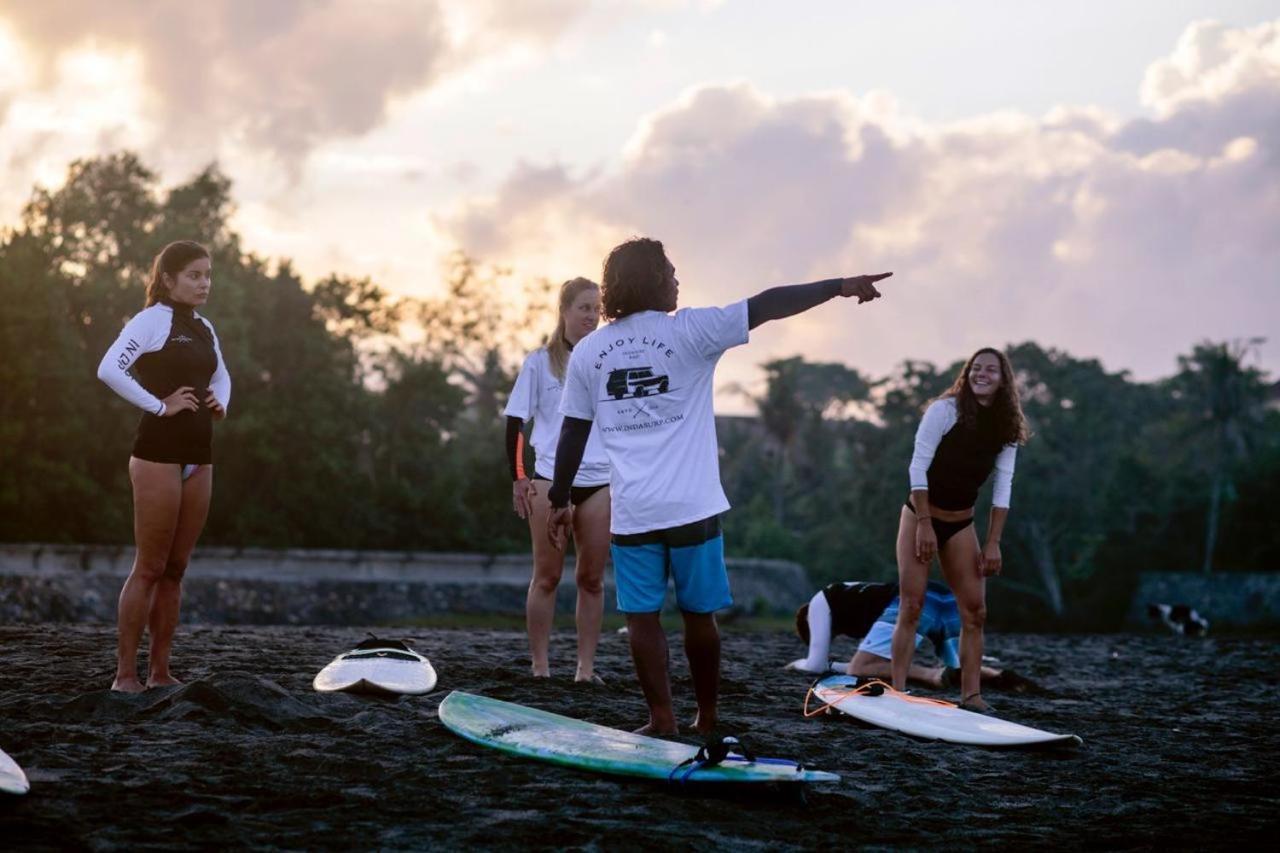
(789, 300)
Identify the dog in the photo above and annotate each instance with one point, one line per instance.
(1180, 619)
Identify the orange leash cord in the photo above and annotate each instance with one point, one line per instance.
(867, 687)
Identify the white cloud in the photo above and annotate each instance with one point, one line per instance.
(287, 75)
(1127, 240)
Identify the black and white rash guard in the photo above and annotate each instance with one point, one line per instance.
(849, 608)
(952, 460)
(163, 348)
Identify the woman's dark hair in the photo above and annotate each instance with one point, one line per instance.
(802, 623)
(172, 260)
(1011, 426)
(633, 278)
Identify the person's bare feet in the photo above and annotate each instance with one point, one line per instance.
(704, 724)
(976, 704)
(127, 685)
(590, 678)
(652, 729)
(162, 681)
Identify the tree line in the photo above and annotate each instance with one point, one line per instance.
(345, 433)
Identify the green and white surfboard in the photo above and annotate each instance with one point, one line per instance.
(531, 733)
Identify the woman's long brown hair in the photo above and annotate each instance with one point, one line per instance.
(172, 260)
(1011, 425)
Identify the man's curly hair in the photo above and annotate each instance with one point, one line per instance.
(633, 278)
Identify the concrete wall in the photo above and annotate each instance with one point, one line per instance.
(80, 583)
(1226, 599)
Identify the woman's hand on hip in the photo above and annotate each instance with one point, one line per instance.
(211, 402)
(182, 400)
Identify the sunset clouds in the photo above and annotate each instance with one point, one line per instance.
(283, 75)
(375, 138)
(1126, 239)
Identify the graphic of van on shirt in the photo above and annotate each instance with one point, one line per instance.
(647, 383)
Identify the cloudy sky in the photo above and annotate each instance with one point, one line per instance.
(1100, 177)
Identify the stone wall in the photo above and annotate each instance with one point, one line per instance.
(1226, 599)
(80, 583)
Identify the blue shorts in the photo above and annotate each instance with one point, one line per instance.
(642, 564)
(939, 623)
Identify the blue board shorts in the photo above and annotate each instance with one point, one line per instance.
(691, 555)
(939, 623)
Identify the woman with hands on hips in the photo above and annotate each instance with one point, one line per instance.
(971, 430)
(167, 362)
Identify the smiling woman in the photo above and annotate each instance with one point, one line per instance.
(974, 427)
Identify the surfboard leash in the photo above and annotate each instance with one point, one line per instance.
(717, 752)
(874, 687)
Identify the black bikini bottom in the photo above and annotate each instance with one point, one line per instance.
(944, 529)
(578, 494)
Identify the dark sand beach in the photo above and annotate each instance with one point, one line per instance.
(1180, 751)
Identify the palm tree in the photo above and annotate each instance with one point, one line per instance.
(1228, 401)
(798, 394)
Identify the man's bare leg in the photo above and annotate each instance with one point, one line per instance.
(702, 647)
(650, 654)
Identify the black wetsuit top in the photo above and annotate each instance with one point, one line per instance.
(856, 605)
(963, 461)
(163, 348)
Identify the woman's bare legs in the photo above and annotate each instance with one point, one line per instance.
(959, 559)
(157, 500)
(591, 541)
(166, 598)
(548, 565)
(913, 577)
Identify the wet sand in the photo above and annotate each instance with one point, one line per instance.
(1180, 750)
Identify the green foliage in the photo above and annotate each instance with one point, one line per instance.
(345, 431)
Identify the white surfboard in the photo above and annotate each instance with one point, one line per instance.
(932, 721)
(378, 666)
(12, 779)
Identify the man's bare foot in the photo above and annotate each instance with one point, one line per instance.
(590, 678)
(650, 729)
(704, 724)
(162, 681)
(127, 685)
(541, 673)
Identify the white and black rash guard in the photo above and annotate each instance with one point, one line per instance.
(163, 348)
(953, 460)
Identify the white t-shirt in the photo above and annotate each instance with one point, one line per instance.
(536, 397)
(646, 381)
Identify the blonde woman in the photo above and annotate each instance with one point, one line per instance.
(536, 398)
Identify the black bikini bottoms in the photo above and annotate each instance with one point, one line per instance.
(944, 529)
(578, 494)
